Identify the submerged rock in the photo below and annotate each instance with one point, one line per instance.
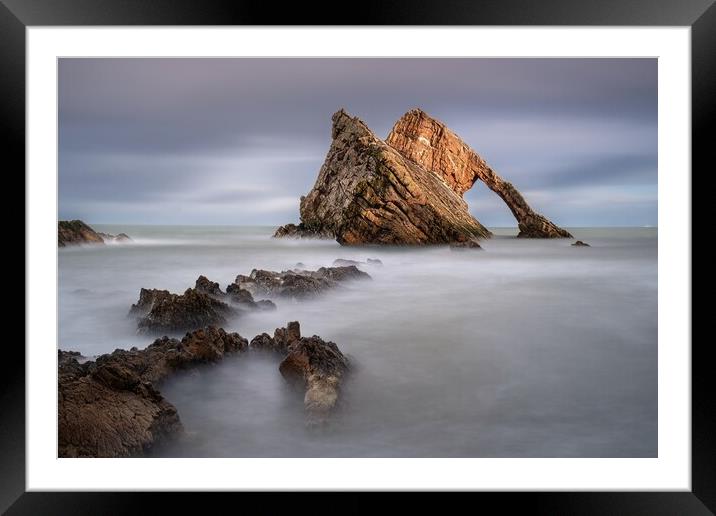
(297, 284)
(110, 407)
(432, 145)
(374, 261)
(121, 237)
(579, 243)
(470, 244)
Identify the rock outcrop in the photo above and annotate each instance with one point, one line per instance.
(430, 144)
(110, 407)
(75, 232)
(579, 243)
(368, 193)
(303, 231)
(317, 367)
(406, 190)
(297, 284)
(160, 311)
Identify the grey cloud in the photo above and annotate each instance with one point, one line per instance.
(153, 133)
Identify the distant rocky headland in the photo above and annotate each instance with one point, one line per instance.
(76, 232)
(406, 190)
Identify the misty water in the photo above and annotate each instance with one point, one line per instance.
(529, 348)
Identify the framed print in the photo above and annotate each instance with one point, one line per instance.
(445, 249)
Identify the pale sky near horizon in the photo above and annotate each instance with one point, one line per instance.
(238, 141)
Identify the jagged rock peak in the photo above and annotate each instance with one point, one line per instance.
(368, 193)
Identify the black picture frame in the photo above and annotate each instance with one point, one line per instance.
(17, 15)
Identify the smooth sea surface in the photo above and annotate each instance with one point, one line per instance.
(529, 348)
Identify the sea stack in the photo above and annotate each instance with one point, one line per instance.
(406, 190)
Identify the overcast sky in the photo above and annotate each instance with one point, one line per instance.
(238, 141)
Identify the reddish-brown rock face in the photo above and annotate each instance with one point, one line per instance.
(430, 144)
(368, 193)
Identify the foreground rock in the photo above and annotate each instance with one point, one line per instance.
(297, 283)
(76, 232)
(314, 366)
(368, 193)
(432, 145)
(110, 407)
(319, 368)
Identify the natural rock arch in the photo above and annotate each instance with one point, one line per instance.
(432, 145)
(406, 190)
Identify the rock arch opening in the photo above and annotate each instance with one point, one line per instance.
(429, 143)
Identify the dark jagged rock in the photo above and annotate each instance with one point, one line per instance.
(579, 243)
(297, 284)
(111, 407)
(302, 231)
(281, 340)
(430, 144)
(470, 244)
(75, 232)
(319, 368)
(160, 311)
(203, 284)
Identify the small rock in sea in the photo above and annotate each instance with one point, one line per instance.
(467, 244)
(297, 284)
(300, 266)
(579, 243)
(374, 261)
(340, 262)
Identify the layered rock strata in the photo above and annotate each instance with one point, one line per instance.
(368, 193)
(433, 146)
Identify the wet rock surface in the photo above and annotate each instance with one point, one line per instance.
(111, 406)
